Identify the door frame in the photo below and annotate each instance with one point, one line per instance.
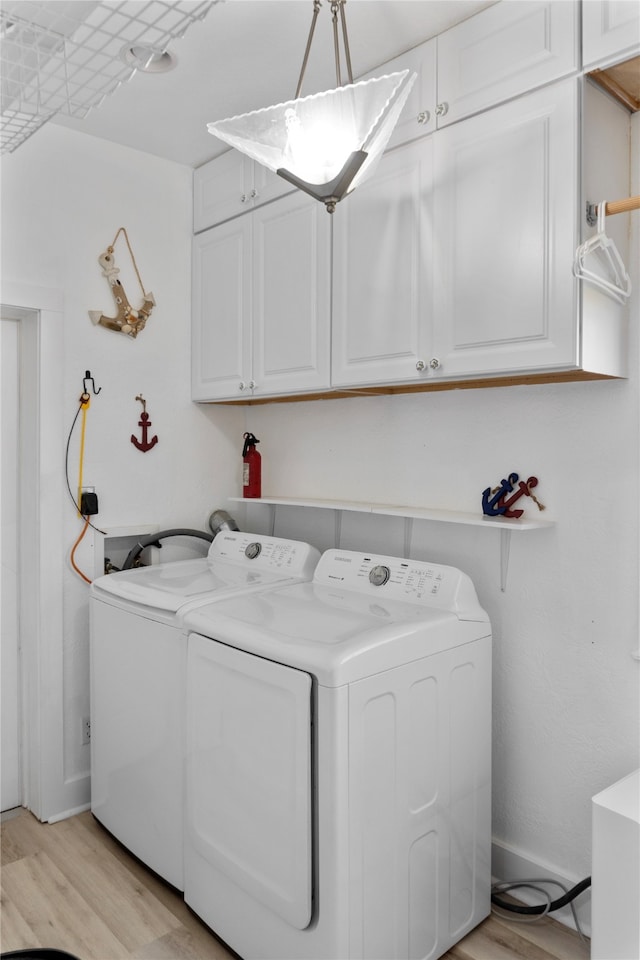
(41, 566)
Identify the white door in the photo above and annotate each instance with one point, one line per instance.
(383, 272)
(221, 331)
(248, 785)
(9, 655)
(291, 296)
(505, 227)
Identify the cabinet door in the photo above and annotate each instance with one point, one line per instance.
(505, 223)
(291, 296)
(504, 51)
(418, 116)
(610, 31)
(221, 339)
(230, 185)
(382, 271)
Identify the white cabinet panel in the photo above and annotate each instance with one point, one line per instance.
(382, 271)
(261, 303)
(291, 296)
(505, 236)
(221, 332)
(610, 31)
(504, 51)
(230, 185)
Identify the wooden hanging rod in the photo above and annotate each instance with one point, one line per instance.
(612, 207)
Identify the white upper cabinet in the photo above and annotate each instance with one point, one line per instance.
(221, 312)
(291, 296)
(610, 31)
(261, 303)
(382, 271)
(505, 50)
(505, 234)
(418, 115)
(230, 185)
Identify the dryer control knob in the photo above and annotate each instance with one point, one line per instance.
(253, 550)
(379, 575)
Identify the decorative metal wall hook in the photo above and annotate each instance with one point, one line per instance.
(88, 377)
(144, 423)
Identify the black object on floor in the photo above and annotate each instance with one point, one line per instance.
(38, 953)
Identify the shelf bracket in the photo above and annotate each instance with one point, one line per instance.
(408, 534)
(505, 546)
(337, 530)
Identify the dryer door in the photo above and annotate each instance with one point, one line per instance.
(249, 774)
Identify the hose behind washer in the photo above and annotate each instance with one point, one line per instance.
(153, 540)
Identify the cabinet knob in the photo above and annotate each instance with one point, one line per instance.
(424, 116)
(253, 194)
(243, 198)
(420, 365)
(251, 385)
(241, 385)
(434, 363)
(442, 109)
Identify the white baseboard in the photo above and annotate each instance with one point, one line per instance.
(508, 863)
(69, 813)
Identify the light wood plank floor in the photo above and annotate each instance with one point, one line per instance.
(71, 886)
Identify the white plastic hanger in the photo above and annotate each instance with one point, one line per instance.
(607, 257)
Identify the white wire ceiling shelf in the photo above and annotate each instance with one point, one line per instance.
(504, 524)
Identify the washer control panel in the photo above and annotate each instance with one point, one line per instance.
(266, 553)
(396, 578)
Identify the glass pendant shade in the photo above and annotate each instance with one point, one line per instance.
(326, 143)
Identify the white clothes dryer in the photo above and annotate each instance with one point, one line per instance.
(138, 661)
(338, 763)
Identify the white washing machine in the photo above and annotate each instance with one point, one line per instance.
(138, 660)
(339, 763)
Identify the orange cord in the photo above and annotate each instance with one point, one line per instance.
(75, 547)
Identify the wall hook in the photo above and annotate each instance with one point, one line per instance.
(87, 376)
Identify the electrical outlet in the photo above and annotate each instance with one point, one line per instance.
(86, 729)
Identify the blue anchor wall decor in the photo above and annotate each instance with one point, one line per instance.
(144, 422)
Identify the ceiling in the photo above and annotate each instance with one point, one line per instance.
(246, 54)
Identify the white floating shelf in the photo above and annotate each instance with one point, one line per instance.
(506, 525)
(414, 513)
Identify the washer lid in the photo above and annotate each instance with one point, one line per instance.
(236, 562)
(336, 635)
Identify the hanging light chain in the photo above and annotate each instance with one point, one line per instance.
(316, 11)
(335, 6)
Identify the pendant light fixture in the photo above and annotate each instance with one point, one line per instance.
(327, 143)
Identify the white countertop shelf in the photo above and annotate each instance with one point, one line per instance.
(506, 525)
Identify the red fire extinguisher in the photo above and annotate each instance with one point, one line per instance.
(251, 468)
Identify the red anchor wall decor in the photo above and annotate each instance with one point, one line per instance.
(144, 422)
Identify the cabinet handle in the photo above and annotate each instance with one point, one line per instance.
(442, 109)
(420, 366)
(251, 385)
(253, 194)
(424, 116)
(434, 363)
(241, 385)
(243, 198)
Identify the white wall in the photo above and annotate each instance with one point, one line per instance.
(64, 195)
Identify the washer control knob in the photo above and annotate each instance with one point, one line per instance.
(253, 550)
(379, 575)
